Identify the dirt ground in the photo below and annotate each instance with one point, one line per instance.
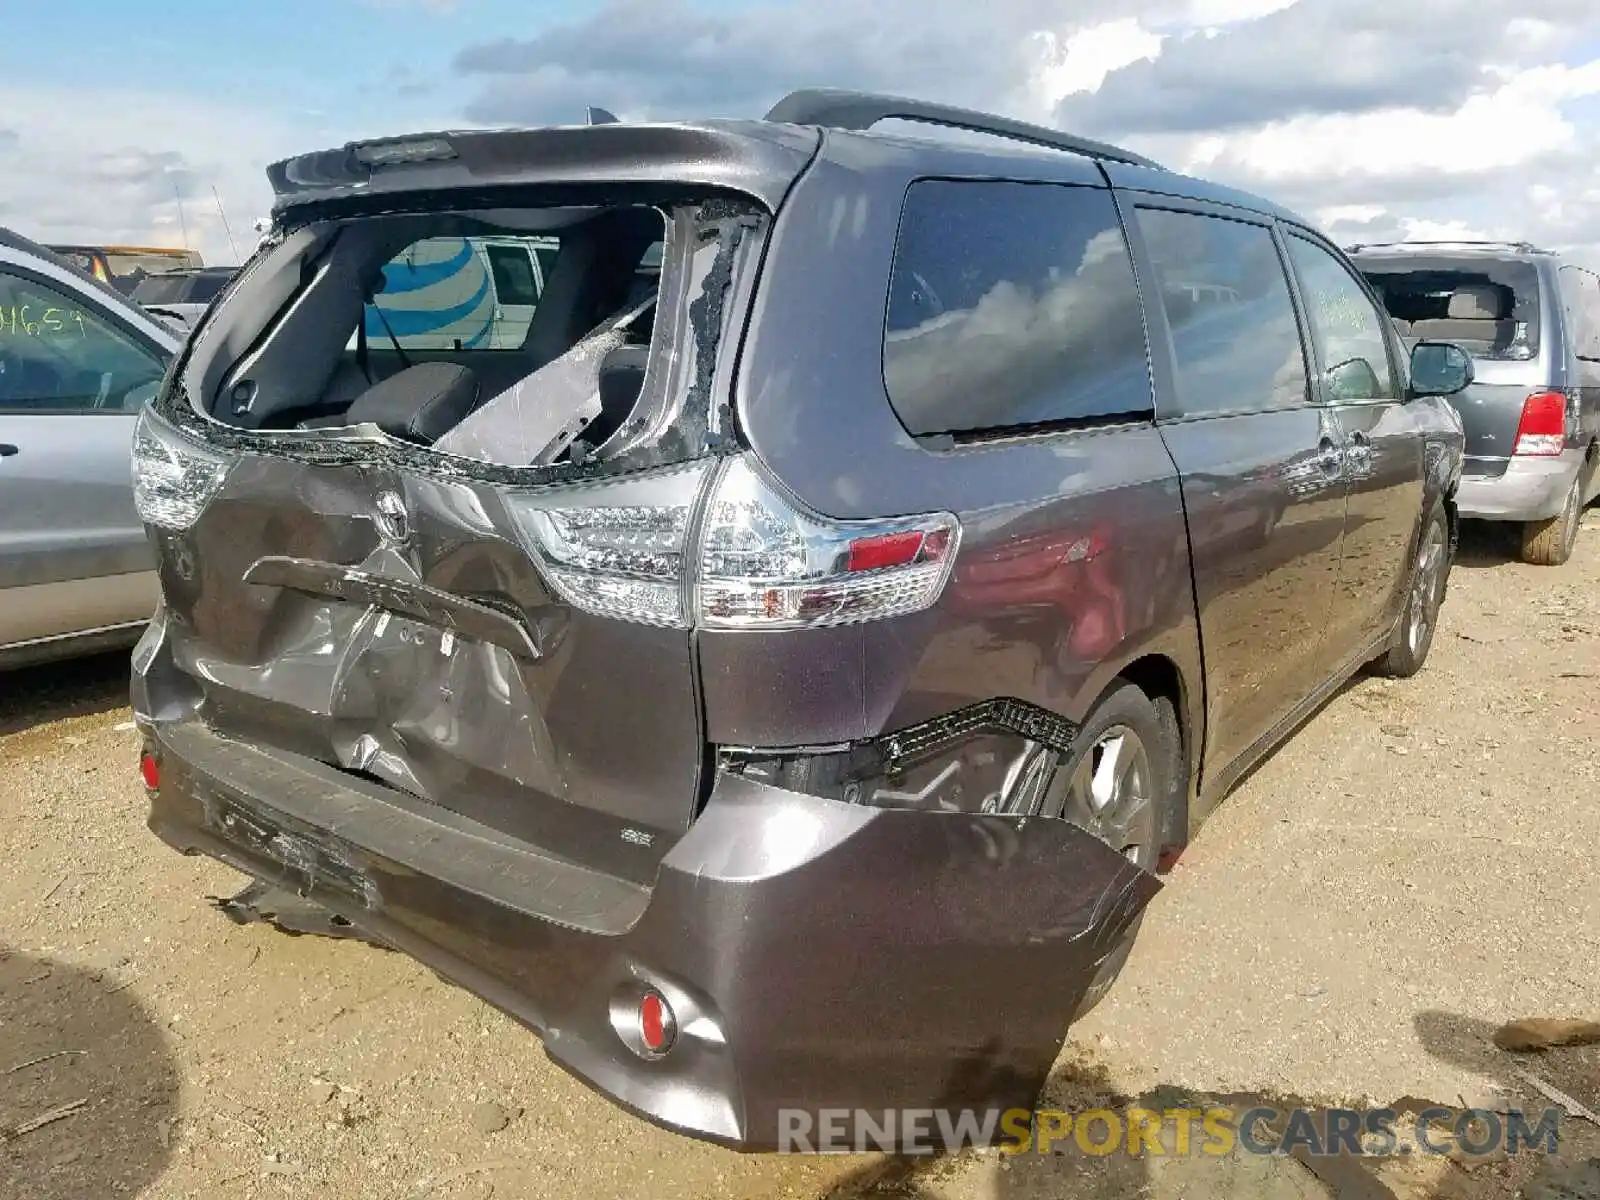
(1417, 866)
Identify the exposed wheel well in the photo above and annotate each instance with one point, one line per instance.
(1158, 677)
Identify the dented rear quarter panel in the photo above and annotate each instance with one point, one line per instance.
(1074, 559)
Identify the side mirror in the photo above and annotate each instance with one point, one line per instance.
(1439, 369)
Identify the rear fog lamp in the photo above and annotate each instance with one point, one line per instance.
(150, 771)
(658, 1026)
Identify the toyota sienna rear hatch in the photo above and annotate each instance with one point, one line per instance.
(456, 571)
(1489, 304)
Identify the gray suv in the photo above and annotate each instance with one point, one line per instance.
(1532, 415)
(777, 677)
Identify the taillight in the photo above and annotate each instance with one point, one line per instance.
(173, 478)
(620, 549)
(765, 564)
(1543, 427)
(616, 549)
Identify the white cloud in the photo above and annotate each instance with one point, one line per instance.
(1210, 14)
(1350, 214)
(1515, 124)
(1080, 62)
(100, 165)
(1425, 229)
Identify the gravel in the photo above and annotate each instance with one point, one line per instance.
(1354, 923)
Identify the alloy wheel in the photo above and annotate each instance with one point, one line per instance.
(1111, 795)
(1425, 581)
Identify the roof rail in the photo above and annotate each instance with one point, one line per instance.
(840, 109)
(1453, 243)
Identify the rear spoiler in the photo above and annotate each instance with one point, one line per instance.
(756, 158)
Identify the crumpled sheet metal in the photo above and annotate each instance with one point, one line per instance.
(540, 415)
(288, 912)
(691, 293)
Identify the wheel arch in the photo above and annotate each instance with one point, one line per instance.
(1161, 679)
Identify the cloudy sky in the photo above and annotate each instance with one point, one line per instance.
(1440, 118)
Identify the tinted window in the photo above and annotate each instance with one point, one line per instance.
(547, 259)
(1227, 300)
(513, 275)
(1010, 305)
(57, 353)
(1580, 294)
(1489, 307)
(203, 288)
(1347, 326)
(162, 289)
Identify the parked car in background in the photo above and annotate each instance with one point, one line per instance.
(122, 267)
(778, 688)
(77, 361)
(1532, 325)
(183, 294)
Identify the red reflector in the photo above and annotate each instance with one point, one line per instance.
(657, 1026)
(884, 550)
(150, 770)
(1543, 428)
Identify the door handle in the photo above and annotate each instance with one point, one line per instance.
(7, 450)
(1331, 458)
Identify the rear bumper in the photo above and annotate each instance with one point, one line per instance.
(817, 955)
(1531, 489)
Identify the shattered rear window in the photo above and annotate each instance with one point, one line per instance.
(386, 337)
(1489, 307)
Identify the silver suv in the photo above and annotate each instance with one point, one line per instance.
(1532, 415)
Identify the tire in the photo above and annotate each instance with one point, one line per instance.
(1142, 739)
(1549, 543)
(1426, 582)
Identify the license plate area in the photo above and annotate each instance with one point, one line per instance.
(308, 862)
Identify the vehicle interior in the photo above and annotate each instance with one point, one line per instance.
(1490, 311)
(345, 324)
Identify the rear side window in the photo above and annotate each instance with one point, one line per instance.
(1010, 305)
(1351, 342)
(1489, 307)
(1234, 333)
(1580, 293)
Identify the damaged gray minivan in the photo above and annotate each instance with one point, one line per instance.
(777, 677)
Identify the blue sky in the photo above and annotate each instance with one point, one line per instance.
(1378, 119)
(342, 62)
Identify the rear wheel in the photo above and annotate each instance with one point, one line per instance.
(1430, 571)
(1549, 543)
(1117, 785)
